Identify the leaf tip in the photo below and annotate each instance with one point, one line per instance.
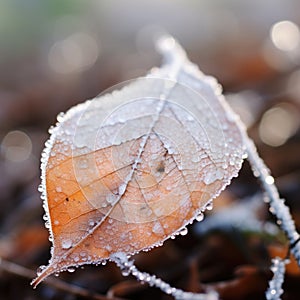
(42, 275)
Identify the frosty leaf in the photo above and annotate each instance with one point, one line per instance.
(129, 169)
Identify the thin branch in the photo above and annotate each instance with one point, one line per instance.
(127, 267)
(277, 205)
(58, 284)
(275, 290)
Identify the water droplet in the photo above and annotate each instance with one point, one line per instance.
(125, 272)
(66, 244)
(47, 225)
(50, 130)
(158, 229)
(245, 155)
(269, 179)
(209, 206)
(60, 117)
(40, 270)
(200, 217)
(71, 269)
(122, 189)
(183, 231)
(58, 189)
(40, 188)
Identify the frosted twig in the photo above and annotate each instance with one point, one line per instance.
(277, 205)
(127, 267)
(275, 290)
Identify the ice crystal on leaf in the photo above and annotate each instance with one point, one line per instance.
(131, 168)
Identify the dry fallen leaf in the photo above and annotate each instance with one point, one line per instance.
(128, 170)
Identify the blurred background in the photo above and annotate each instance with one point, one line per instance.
(55, 54)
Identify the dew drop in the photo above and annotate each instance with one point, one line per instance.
(209, 206)
(200, 217)
(47, 224)
(40, 270)
(71, 269)
(157, 229)
(40, 188)
(183, 231)
(269, 179)
(125, 272)
(50, 130)
(66, 244)
(245, 155)
(60, 117)
(58, 189)
(122, 189)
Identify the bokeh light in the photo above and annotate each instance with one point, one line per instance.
(285, 35)
(76, 53)
(16, 146)
(278, 124)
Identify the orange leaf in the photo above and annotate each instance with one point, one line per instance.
(127, 170)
